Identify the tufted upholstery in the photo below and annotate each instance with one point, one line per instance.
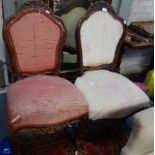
(99, 41)
(42, 101)
(110, 95)
(35, 38)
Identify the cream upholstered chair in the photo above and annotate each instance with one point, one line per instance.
(41, 108)
(141, 140)
(100, 34)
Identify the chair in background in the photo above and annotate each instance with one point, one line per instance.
(100, 34)
(41, 108)
(141, 140)
(70, 14)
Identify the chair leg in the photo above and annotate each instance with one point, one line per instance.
(72, 131)
(19, 148)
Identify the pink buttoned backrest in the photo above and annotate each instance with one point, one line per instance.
(35, 39)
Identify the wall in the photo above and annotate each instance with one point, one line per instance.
(2, 53)
(142, 10)
(2, 47)
(134, 10)
(8, 6)
(125, 9)
(116, 4)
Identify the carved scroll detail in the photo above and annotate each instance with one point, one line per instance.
(35, 4)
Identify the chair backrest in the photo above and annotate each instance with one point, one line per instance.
(100, 34)
(35, 39)
(70, 15)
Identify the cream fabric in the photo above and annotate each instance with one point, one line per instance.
(141, 140)
(110, 95)
(71, 19)
(99, 38)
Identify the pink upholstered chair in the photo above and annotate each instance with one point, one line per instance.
(39, 106)
(100, 34)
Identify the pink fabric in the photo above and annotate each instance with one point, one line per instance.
(35, 39)
(141, 86)
(44, 100)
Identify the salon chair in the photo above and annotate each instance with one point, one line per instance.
(110, 95)
(43, 109)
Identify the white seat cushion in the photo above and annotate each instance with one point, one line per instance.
(141, 140)
(110, 95)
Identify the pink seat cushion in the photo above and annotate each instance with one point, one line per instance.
(42, 101)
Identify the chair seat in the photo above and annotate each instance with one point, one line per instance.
(110, 95)
(141, 140)
(42, 101)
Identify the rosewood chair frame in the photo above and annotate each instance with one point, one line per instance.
(27, 139)
(115, 65)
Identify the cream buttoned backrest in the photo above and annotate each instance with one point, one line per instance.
(100, 33)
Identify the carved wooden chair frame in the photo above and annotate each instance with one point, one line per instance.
(27, 139)
(114, 66)
(43, 3)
